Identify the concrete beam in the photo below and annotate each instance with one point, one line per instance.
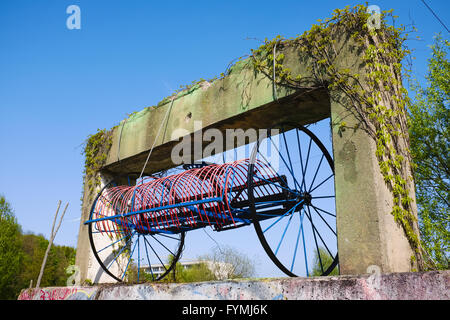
(239, 100)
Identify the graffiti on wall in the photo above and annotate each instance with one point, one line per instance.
(62, 293)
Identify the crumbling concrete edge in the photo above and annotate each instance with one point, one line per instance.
(432, 285)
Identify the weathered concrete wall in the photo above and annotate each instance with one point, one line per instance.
(393, 286)
(59, 293)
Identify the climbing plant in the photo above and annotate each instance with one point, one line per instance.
(376, 98)
(95, 152)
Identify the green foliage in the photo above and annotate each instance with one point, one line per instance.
(193, 273)
(230, 263)
(196, 273)
(21, 257)
(10, 253)
(95, 152)
(59, 258)
(323, 263)
(221, 263)
(430, 147)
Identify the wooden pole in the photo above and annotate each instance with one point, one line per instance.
(52, 237)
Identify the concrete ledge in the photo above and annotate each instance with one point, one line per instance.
(433, 285)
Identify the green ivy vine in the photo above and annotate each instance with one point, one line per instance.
(377, 98)
(95, 152)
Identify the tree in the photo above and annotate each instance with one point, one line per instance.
(229, 263)
(21, 257)
(10, 251)
(194, 273)
(201, 271)
(430, 148)
(323, 263)
(198, 272)
(222, 263)
(59, 258)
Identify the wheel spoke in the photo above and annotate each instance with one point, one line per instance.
(304, 249)
(276, 184)
(324, 211)
(148, 260)
(318, 233)
(323, 197)
(273, 170)
(129, 260)
(157, 256)
(284, 233)
(321, 183)
(111, 244)
(163, 245)
(301, 161)
(306, 164)
(139, 258)
(317, 170)
(325, 221)
(120, 252)
(300, 229)
(290, 162)
(281, 217)
(315, 239)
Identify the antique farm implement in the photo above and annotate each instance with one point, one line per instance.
(129, 224)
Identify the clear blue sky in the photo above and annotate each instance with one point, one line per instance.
(57, 85)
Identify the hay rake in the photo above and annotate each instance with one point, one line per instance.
(290, 205)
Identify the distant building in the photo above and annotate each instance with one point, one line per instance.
(221, 270)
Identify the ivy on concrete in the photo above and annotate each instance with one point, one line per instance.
(95, 152)
(377, 98)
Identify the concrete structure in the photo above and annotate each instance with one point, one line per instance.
(367, 233)
(394, 286)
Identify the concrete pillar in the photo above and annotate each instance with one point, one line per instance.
(89, 268)
(367, 232)
(83, 248)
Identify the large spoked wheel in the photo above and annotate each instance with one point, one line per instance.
(123, 250)
(300, 235)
